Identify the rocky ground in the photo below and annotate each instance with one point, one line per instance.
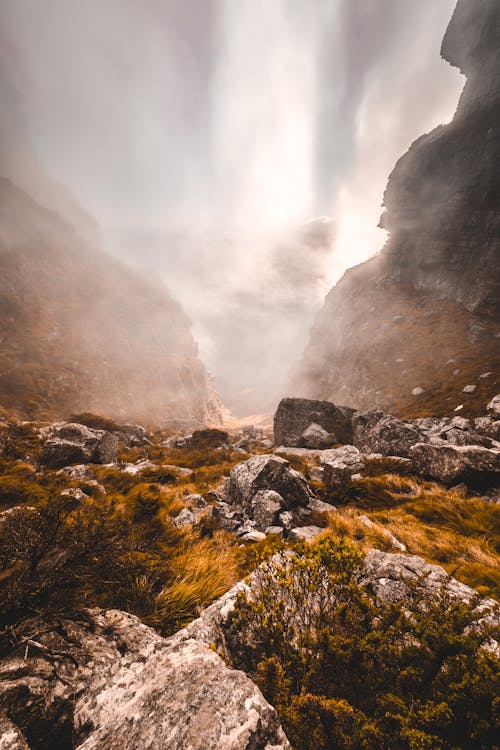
(100, 678)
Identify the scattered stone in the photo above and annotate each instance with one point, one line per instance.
(316, 437)
(304, 533)
(70, 443)
(76, 493)
(295, 415)
(316, 473)
(469, 388)
(494, 406)
(417, 391)
(456, 463)
(374, 431)
(265, 507)
(339, 464)
(267, 472)
(274, 531)
(459, 407)
(80, 471)
(252, 537)
(195, 500)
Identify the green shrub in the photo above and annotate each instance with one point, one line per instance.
(344, 674)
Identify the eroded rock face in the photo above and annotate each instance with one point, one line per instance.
(120, 685)
(374, 431)
(295, 415)
(457, 463)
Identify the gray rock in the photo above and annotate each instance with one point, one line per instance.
(274, 531)
(494, 406)
(287, 519)
(11, 738)
(80, 471)
(304, 533)
(316, 437)
(123, 686)
(68, 442)
(456, 463)
(265, 507)
(488, 427)
(318, 505)
(195, 501)
(294, 415)
(339, 464)
(76, 493)
(374, 431)
(267, 472)
(469, 388)
(252, 537)
(317, 473)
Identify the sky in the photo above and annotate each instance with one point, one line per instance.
(203, 135)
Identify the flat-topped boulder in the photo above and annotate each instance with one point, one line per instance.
(294, 417)
(375, 431)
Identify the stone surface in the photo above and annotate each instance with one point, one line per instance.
(339, 464)
(294, 415)
(265, 507)
(374, 431)
(68, 442)
(121, 685)
(494, 406)
(267, 472)
(11, 738)
(457, 463)
(440, 265)
(305, 533)
(317, 437)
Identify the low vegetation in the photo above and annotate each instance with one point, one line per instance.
(345, 674)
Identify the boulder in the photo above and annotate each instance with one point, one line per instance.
(339, 464)
(494, 407)
(252, 537)
(11, 737)
(71, 443)
(295, 415)
(118, 684)
(265, 507)
(374, 431)
(447, 463)
(267, 472)
(488, 427)
(317, 437)
(79, 472)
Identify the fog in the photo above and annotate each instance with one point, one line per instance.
(204, 135)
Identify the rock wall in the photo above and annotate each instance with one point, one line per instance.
(80, 331)
(424, 313)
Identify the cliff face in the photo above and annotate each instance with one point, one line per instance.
(424, 313)
(79, 331)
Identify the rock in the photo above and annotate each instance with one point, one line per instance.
(68, 442)
(274, 531)
(417, 391)
(136, 434)
(388, 577)
(178, 471)
(287, 519)
(316, 437)
(469, 388)
(195, 501)
(267, 472)
(318, 505)
(207, 439)
(185, 518)
(123, 686)
(304, 533)
(494, 407)
(339, 464)
(374, 431)
(316, 473)
(252, 537)
(488, 427)
(76, 493)
(457, 463)
(139, 467)
(80, 471)
(295, 415)
(265, 507)
(11, 738)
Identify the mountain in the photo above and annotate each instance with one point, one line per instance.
(423, 314)
(79, 331)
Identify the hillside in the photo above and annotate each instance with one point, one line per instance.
(81, 332)
(424, 313)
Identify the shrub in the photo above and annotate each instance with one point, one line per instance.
(345, 674)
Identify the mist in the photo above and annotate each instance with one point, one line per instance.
(203, 136)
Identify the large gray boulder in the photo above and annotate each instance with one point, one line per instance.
(493, 407)
(267, 472)
(457, 463)
(316, 437)
(114, 683)
(72, 443)
(374, 431)
(294, 415)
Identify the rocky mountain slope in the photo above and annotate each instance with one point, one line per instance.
(424, 313)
